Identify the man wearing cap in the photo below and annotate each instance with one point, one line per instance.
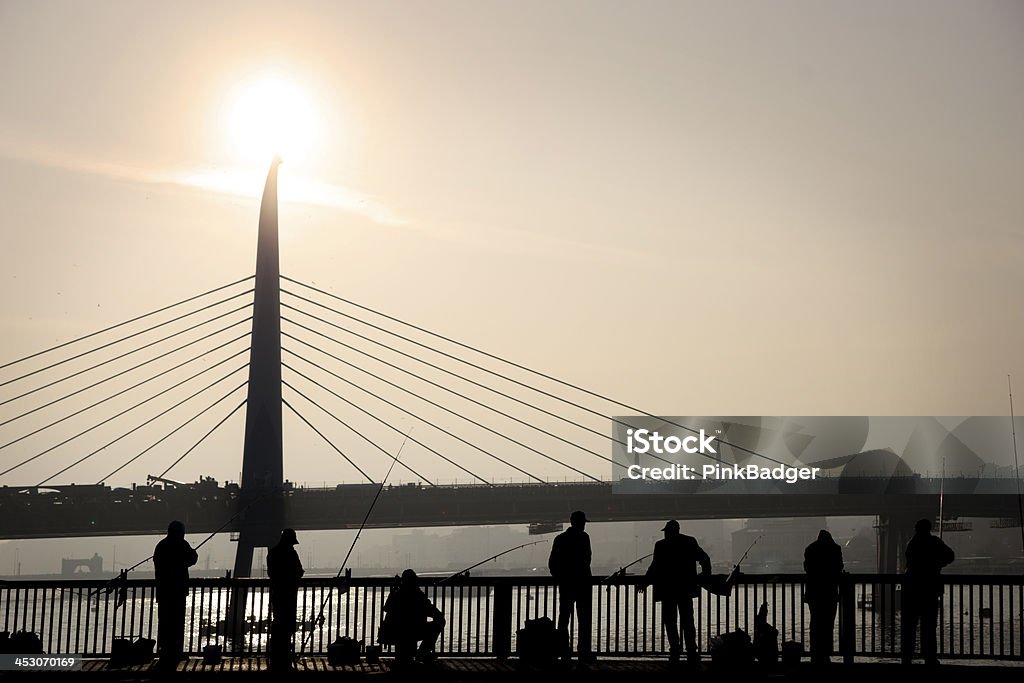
(674, 575)
(569, 564)
(284, 571)
(171, 560)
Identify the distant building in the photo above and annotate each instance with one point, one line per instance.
(71, 566)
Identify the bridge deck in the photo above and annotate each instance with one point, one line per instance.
(100, 511)
(471, 669)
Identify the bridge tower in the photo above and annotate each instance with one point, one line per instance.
(262, 456)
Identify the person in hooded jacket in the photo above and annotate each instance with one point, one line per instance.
(284, 569)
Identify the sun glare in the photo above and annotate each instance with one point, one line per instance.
(272, 116)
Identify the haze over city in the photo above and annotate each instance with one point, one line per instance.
(696, 208)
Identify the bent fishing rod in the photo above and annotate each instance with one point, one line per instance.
(621, 571)
(466, 571)
(366, 518)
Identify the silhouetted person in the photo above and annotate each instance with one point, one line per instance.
(673, 572)
(410, 617)
(823, 562)
(171, 560)
(284, 571)
(922, 587)
(569, 564)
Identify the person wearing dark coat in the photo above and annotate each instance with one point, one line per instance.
(171, 560)
(410, 617)
(673, 572)
(922, 589)
(823, 562)
(284, 569)
(569, 564)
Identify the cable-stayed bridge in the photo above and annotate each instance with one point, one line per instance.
(151, 395)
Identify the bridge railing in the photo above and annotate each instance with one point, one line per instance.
(980, 616)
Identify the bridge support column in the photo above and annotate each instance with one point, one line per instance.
(501, 624)
(262, 484)
(847, 619)
(894, 532)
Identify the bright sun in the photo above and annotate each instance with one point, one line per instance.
(272, 116)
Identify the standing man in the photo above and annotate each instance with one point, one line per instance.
(673, 572)
(284, 569)
(922, 588)
(569, 564)
(823, 562)
(171, 560)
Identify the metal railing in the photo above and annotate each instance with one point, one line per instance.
(980, 616)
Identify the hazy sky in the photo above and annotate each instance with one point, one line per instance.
(700, 207)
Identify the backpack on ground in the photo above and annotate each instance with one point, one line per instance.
(539, 642)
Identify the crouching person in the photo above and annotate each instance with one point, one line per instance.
(410, 618)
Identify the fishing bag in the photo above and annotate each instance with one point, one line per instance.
(539, 643)
(732, 649)
(212, 654)
(792, 652)
(21, 642)
(344, 651)
(126, 652)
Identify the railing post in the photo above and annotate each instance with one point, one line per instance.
(501, 624)
(847, 618)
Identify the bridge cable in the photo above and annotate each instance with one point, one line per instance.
(456, 414)
(421, 419)
(439, 368)
(454, 374)
(439, 386)
(436, 367)
(110, 419)
(203, 438)
(357, 432)
(126, 322)
(135, 429)
(366, 518)
(131, 336)
(386, 424)
(170, 434)
(135, 350)
(329, 442)
(653, 456)
(124, 391)
(512, 363)
(134, 367)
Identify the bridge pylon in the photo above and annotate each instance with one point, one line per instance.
(262, 482)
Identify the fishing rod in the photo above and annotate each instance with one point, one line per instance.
(942, 487)
(123, 575)
(465, 571)
(1016, 464)
(621, 571)
(749, 548)
(736, 568)
(721, 584)
(366, 518)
